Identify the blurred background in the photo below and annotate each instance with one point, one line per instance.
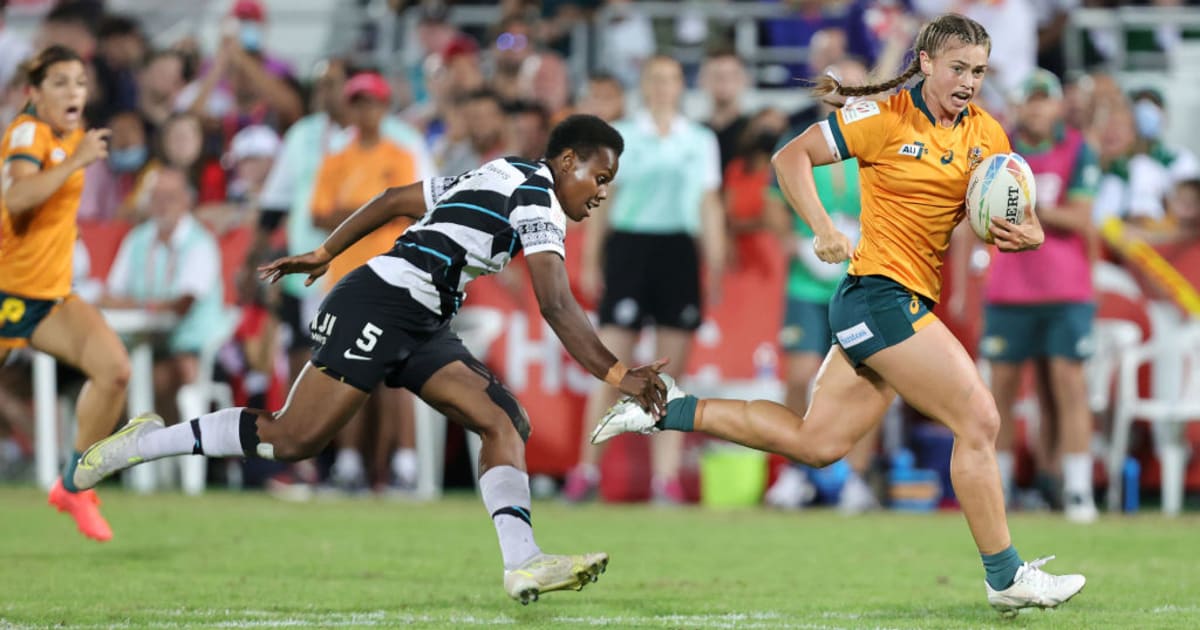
(277, 111)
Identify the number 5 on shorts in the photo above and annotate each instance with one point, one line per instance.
(370, 336)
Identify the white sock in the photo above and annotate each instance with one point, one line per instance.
(1004, 460)
(220, 436)
(349, 464)
(1077, 473)
(404, 465)
(505, 493)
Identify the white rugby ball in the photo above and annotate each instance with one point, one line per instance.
(1001, 186)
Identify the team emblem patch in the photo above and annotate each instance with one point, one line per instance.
(859, 110)
(974, 157)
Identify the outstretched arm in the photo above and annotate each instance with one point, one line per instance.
(402, 201)
(569, 322)
(793, 170)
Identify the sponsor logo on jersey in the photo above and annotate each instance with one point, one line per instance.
(859, 110)
(916, 149)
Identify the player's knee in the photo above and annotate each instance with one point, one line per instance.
(506, 425)
(509, 414)
(984, 424)
(114, 375)
(827, 452)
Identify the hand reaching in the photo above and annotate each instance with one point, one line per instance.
(93, 146)
(314, 263)
(644, 385)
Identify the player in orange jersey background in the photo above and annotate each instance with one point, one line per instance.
(45, 151)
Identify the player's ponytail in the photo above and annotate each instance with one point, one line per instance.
(932, 39)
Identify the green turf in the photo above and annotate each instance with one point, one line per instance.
(236, 561)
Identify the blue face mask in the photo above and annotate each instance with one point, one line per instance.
(250, 34)
(1149, 119)
(127, 160)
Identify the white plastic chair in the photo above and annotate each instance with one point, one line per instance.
(1113, 338)
(197, 398)
(1174, 354)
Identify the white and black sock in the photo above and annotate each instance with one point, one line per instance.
(224, 433)
(1077, 475)
(505, 493)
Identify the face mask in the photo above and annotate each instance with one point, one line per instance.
(127, 160)
(1148, 118)
(250, 34)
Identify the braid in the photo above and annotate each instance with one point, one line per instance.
(932, 39)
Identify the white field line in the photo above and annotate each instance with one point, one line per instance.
(231, 618)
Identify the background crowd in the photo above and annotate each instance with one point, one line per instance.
(224, 154)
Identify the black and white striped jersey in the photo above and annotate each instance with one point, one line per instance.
(474, 224)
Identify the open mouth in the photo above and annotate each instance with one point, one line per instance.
(73, 112)
(960, 99)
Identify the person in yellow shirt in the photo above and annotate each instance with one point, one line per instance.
(346, 181)
(45, 151)
(915, 153)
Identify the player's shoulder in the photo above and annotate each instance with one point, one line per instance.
(24, 132)
(979, 116)
(860, 109)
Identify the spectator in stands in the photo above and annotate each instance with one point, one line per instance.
(14, 49)
(1172, 164)
(603, 97)
(180, 144)
(241, 88)
(485, 139)
(249, 161)
(121, 50)
(450, 76)
(528, 129)
(69, 24)
(1040, 304)
(1116, 137)
(723, 78)
(171, 263)
(346, 180)
(627, 41)
(110, 185)
(745, 182)
(667, 199)
(523, 69)
(162, 78)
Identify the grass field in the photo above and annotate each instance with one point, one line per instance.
(247, 561)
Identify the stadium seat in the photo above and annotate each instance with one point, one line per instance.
(1174, 354)
(197, 398)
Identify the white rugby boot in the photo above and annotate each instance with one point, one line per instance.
(628, 417)
(1034, 588)
(545, 572)
(114, 453)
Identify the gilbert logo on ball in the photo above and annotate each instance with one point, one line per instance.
(1002, 186)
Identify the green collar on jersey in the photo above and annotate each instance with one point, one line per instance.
(919, 101)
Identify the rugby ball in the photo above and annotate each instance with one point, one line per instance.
(1001, 186)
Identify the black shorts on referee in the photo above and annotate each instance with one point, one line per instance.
(651, 279)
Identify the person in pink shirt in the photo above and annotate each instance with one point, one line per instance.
(1039, 304)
